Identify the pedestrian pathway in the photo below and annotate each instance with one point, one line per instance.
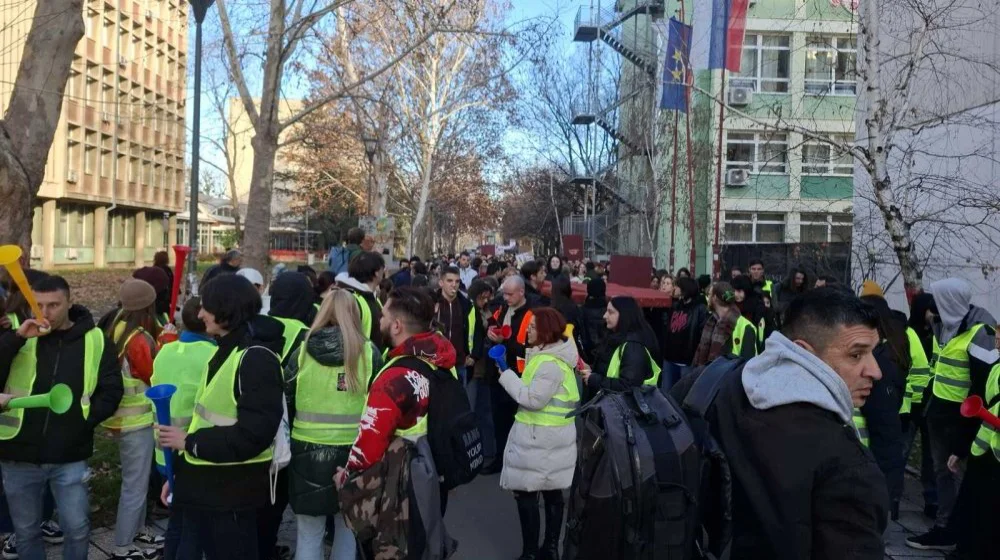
(484, 520)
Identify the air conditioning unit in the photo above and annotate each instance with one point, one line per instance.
(149, 14)
(737, 177)
(122, 61)
(72, 176)
(740, 96)
(71, 254)
(36, 251)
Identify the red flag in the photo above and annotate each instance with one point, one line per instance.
(735, 31)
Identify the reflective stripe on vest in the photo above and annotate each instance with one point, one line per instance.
(420, 428)
(326, 413)
(181, 364)
(292, 329)
(215, 405)
(920, 373)
(988, 437)
(861, 426)
(135, 411)
(739, 336)
(614, 368)
(566, 399)
(23, 370)
(951, 370)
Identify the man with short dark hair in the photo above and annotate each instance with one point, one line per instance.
(454, 318)
(37, 447)
(534, 277)
(362, 279)
(803, 485)
(761, 285)
(402, 276)
(466, 272)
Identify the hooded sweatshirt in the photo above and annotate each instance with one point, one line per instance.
(292, 298)
(953, 297)
(398, 397)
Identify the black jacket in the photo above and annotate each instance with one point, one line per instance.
(46, 437)
(679, 331)
(534, 297)
(216, 270)
(597, 329)
(803, 485)
(885, 430)
(574, 316)
(258, 394)
(515, 348)
(635, 366)
(453, 321)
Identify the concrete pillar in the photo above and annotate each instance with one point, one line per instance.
(100, 236)
(49, 221)
(171, 237)
(140, 239)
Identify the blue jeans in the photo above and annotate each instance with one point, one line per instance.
(7, 524)
(25, 484)
(482, 406)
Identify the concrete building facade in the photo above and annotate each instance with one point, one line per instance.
(115, 177)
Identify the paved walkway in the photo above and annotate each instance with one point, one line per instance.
(484, 520)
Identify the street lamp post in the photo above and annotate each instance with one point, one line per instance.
(200, 8)
(371, 149)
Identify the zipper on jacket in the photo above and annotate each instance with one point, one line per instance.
(55, 371)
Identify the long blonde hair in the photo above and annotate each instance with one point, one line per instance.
(340, 308)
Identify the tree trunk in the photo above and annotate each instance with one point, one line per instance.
(256, 238)
(33, 113)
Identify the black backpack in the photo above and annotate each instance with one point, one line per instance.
(650, 482)
(452, 430)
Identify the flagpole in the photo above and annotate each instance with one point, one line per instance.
(673, 195)
(716, 263)
(690, 161)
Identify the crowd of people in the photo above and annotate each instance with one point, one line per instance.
(828, 393)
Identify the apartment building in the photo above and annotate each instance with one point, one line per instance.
(115, 177)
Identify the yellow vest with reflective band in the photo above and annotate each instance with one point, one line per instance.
(951, 369)
(420, 428)
(861, 425)
(135, 411)
(292, 329)
(919, 376)
(326, 413)
(23, 370)
(472, 325)
(181, 364)
(614, 368)
(739, 338)
(988, 438)
(15, 323)
(566, 399)
(366, 313)
(215, 406)
(767, 287)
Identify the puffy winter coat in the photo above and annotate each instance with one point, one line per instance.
(310, 472)
(539, 457)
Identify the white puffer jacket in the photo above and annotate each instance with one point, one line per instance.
(539, 457)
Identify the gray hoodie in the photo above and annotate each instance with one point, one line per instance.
(785, 373)
(953, 297)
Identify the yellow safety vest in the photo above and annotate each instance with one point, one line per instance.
(293, 327)
(861, 425)
(614, 368)
(326, 413)
(135, 411)
(919, 376)
(566, 399)
(742, 324)
(181, 364)
(420, 428)
(988, 437)
(15, 323)
(23, 370)
(767, 287)
(951, 368)
(472, 326)
(366, 313)
(215, 406)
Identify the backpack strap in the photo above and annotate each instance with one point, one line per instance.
(699, 399)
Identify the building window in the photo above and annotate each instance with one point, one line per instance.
(121, 230)
(765, 64)
(830, 65)
(820, 158)
(826, 228)
(757, 152)
(750, 227)
(106, 169)
(76, 226)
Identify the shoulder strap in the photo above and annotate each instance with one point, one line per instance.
(699, 399)
(239, 366)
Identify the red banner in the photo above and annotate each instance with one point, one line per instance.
(573, 247)
(734, 34)
(631, 271)
(487, 250)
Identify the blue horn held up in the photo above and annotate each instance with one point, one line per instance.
(160, 395)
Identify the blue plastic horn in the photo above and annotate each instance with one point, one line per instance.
(160, 395)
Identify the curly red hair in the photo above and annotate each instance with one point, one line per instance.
(550, 326)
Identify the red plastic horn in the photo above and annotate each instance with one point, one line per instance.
(181, 253)
(504, 331)
(972, 407)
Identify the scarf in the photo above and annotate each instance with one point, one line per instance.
(714, 337)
